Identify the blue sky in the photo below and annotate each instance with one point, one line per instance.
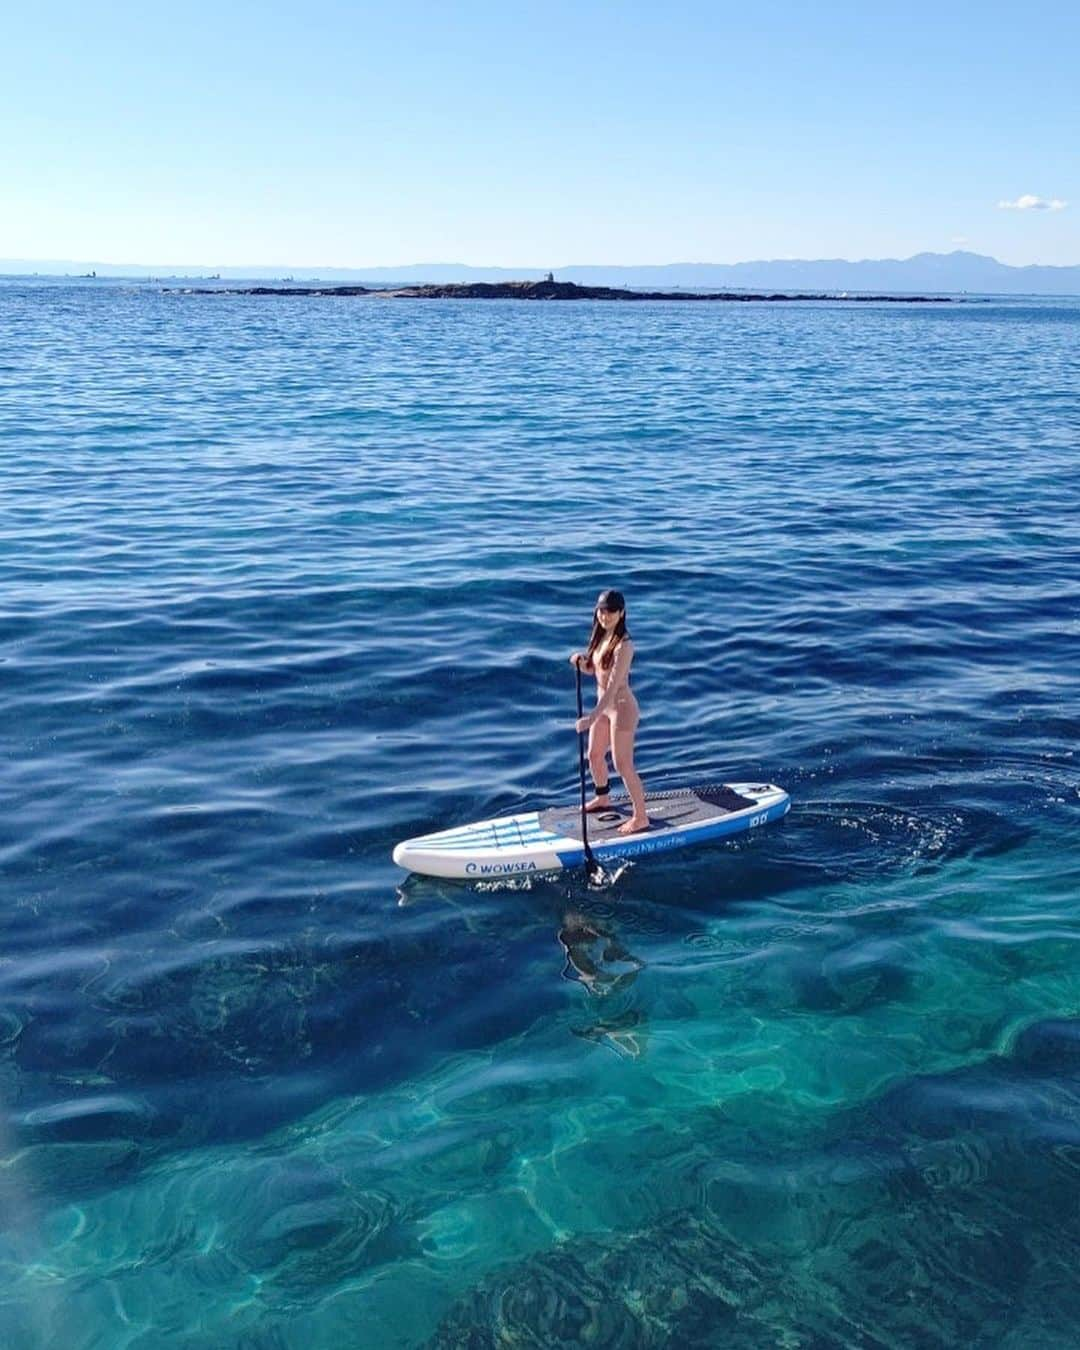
(355, 134)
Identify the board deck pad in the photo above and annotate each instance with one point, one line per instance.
(665, 811)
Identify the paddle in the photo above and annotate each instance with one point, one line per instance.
(592, 868)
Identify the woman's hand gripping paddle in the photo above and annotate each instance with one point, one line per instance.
(593, 870)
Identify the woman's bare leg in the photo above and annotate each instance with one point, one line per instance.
(623, 755)
(599, 744)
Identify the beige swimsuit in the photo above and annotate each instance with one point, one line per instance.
(624, 711)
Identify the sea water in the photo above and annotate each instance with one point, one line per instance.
(285, 580)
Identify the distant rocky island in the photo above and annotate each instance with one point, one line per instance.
(548, 289)
(924, 274)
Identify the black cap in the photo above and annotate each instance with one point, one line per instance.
(611, 600)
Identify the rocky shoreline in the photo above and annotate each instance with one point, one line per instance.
(545, 290)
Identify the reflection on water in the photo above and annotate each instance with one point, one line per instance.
(596, 957)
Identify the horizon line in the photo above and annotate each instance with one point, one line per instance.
(140, 268)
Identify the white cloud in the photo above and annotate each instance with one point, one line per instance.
(960, 239)
(1029, 202)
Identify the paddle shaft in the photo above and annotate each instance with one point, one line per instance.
(591, 865)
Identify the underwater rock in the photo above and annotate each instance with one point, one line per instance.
(925, 1276)
(677, 1283)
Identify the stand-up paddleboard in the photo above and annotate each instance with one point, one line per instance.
(549, 840)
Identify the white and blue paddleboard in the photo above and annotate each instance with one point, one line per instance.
(549, 840)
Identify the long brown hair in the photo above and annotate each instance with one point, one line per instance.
(598, 635)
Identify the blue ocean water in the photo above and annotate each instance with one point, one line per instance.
(283, 581)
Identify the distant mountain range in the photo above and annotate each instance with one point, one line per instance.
(938, 273)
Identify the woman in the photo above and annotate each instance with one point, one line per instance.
(613, 722)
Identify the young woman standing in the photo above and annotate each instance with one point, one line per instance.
(612, 724)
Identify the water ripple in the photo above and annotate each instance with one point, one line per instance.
(285, 581)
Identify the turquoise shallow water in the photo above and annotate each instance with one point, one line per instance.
(284, 581)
